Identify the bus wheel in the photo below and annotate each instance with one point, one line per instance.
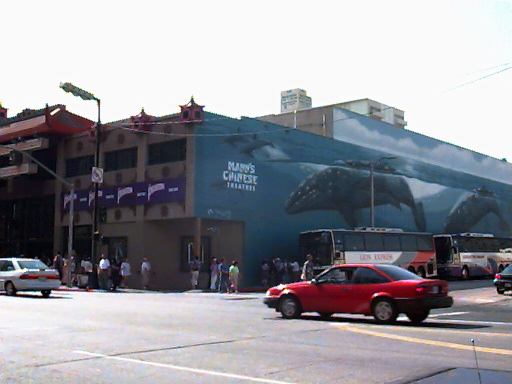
(500, 268)
(421, 272)
(411, 269)
(465, 273)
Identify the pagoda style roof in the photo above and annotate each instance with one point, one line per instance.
(54, 120)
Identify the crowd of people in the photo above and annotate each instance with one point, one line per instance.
(277, 271)
(111, 274)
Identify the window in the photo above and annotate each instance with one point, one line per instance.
(391, 243)
(122, 159)
(167, 152)
(373, 241)
(7, 266)
(354, 242)
(365, 275)
(409, 243)
(337, 276)
(425, 243)
(79, 166)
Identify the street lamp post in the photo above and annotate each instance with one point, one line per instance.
(372, 187)
(75, 91)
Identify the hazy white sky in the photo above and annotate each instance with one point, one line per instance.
(236, 57)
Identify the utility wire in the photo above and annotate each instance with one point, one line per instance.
(474, 81)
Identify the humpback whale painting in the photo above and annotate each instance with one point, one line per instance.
(348, 190)
(472, 210)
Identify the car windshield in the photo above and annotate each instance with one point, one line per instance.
(508, 270)
(397, 273)
(32, 264)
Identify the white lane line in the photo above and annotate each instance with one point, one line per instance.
(448, 314)
(186, 369)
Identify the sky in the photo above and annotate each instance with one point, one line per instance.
(447, 63)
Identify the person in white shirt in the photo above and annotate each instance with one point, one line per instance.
(125, 273)
(145, 270)
(87, 268)
(104, 273)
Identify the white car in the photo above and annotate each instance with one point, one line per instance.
(27, 275)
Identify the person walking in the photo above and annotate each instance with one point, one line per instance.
(307, 268)
(195, 266)
(295, 271)
(57, 264)
(234, 276)
(145, 270)
(224, 276)
(104, 273)
(115, 274)
(214, 274)
(87, 269)
(125, 273)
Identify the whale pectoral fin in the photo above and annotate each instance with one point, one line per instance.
(419, 217)
(349, 216)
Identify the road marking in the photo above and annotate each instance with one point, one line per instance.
(448, 314)
(186, 369)
(424, 341)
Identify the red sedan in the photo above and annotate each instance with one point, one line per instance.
(383, 291)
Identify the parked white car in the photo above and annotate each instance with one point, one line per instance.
(18, 274)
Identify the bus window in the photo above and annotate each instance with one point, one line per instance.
(354, 242)
(373, 241)
(391, 243)
(408, 242)
(425, 242)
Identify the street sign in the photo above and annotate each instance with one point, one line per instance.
(97, 175)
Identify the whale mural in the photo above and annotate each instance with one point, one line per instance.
(347, 190)
(472, 210)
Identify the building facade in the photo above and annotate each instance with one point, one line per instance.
(200, 184)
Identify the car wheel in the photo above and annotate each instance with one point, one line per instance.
(384, 311)
(325, 315)
(465, 273)
(421, 272)
(290, 307)
(500, 291)
(46, 293)
(10, 289)
(418, 316)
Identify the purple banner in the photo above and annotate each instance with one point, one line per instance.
(163, 191)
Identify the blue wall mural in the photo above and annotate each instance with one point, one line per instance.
(282, 181)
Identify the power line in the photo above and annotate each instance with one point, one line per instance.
(474, 81)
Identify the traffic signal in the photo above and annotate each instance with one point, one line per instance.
(103, 214)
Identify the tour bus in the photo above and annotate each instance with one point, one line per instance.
(410, 250)
(472, 254)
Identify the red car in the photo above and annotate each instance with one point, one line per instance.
(383, 291)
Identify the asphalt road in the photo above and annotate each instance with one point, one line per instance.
(194, 337)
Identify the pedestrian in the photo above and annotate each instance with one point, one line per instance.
(87, 269)
(234, 276)
(145, 270)
(104, 272)
(224, 276)
(265, 273)
(307, 268)
(125, 273)
(115, 274)
(195, 266)
(295, 271)
(279, 267)
(57, 264)
(214, 274)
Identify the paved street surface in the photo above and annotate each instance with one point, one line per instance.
(197, 337)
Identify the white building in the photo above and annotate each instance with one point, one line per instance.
(294, 100)
(376, 110)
